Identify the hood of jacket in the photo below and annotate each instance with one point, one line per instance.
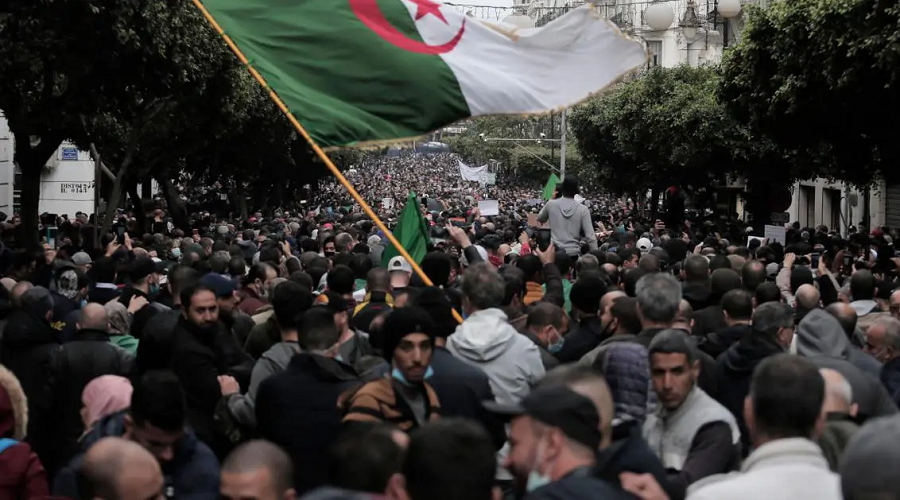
(483, 336)
(24, 331)
(13, 406)
(820, 334)
(743, 357)
(567, 207)
(731, 334)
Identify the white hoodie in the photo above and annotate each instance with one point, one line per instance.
(510, 360)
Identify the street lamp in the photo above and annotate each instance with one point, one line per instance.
(729, 8)
(659, 16)
(690, 21)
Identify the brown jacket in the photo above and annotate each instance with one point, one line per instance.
(377, 401)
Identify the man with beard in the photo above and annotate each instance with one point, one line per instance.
(254, 294)
(204, 352)
(144, 283)
(238, 323)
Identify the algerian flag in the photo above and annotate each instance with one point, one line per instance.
(411, 231)
(550, 186)
(354, 71)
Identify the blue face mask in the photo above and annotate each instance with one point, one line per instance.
(176, 252)
(83, 303)
(397, 375)
(555, 348)
(154, 289)
(535, 478)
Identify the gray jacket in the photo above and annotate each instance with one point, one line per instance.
(272, 362)
(568, 219)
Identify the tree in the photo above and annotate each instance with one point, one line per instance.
(666, 128)
(815, 76)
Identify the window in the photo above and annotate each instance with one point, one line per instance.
(654, 48)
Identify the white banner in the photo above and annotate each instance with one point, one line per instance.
(471, 173)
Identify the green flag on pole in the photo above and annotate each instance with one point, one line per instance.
(550, 187)
(411, 232)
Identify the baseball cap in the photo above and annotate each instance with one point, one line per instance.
(81, 259)
(141, 268)
(399, 263)
(644, 245)
(558, 406)
(222, 286)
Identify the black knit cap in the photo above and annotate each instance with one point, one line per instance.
(437, 305)
(586, 293)
(402, 322)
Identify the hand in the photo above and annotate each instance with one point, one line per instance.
(127, 242)
(685, 237)
(789, 259)
(228, 385)
(459, 236)
(286, 248)
(822, 270)
(548, 256)
(687, 223)
(896, 261)
(112, 247)
(698, 248)
(643, 486)
(523, 238)
(136, 303)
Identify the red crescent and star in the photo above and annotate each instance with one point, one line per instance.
(371, 15)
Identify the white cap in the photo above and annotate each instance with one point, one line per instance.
(644, 245)
(398, 263)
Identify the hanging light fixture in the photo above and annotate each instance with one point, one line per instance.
(659, 16)
(690, 21)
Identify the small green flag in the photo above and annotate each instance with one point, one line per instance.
(550, 187)
(411, 231)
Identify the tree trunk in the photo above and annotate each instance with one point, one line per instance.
(115, 199)
(654, 202)
(31, 161)
(177, 210)
(137, 205)
(147, 189)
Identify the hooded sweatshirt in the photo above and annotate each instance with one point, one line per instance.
(568, 219)
(511, 361)
(820, 334)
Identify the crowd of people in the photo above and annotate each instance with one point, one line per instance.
(568, 349)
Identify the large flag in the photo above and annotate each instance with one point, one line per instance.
(468, 173)
(550, 186)
(411, 232)
(355, 71)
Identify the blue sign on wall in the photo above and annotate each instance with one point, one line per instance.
(69, 153)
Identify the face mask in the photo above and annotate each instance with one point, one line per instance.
(558, 345)
(83, 303)
(154, 288)
(397, 375)
(535, 478)
(176, 252)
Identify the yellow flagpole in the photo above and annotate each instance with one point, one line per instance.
(315, 147)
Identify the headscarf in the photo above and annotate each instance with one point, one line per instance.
(119, 317)
(104, 396)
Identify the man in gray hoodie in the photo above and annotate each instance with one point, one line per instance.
(568, 219)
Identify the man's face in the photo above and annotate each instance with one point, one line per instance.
(412, 356)
(255, 485)
(631, 263)
(607, 319)
(329, 248)
(161, 444)
(522, 448)
(673, 378)
(265, 284)
(228, 303)
(895, 305)
(876, 345)
(203, 310)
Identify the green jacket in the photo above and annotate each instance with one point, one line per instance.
(126, 342)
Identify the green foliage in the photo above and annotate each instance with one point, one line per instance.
(666, 128)
(821, 77)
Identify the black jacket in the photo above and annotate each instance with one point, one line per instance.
(103, 295)
(198, 358)
(62, 308)
(734, 369)
(155, 349)
(708, 320)
(462, 388)
(142, 317)
(88, 356)
(580, 484)
(27, 350)
(697, 295)
(262, 337)
(719, 341)
(297, 410)
(629, 452)
(581, 341)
